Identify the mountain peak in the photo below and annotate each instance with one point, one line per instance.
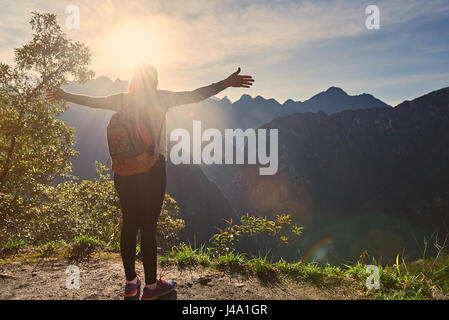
(336, 90)
(244, 98)
(291, 102)
(226, 99)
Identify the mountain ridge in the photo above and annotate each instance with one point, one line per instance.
(381, 168)
(333, 90)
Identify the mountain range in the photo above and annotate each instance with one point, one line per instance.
(375, 179)
(357, 173)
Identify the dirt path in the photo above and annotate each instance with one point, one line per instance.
(103, 279)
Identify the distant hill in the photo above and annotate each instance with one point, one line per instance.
(334, 100)
(248, 112)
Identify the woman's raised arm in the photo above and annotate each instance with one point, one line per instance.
(112, 102)
(185, 97)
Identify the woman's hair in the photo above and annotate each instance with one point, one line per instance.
(145, 78)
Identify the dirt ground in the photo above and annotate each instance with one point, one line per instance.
(103, 280)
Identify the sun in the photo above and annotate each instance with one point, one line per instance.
(131, 43)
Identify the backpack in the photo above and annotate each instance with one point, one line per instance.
(130, 141)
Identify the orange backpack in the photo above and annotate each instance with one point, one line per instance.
(131, 144)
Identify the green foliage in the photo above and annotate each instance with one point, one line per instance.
(226, 240)
(169, 224)
(263, 268)
(232, 262)
(138, 252)
(89, 207)
(35, 147)
(49, 248)
(83, 246)
(403, 284)
(435, 269)
(396, 282)
(92, 208)
(12, 247)
(309, 272)
(114, 246)
(185, 255)
(203, 255)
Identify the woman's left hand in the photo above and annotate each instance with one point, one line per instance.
(239, 81)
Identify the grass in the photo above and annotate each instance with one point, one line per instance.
(83, 246)
(231, 262)
(417, 280)
(437, 270)
(264, 268)
(410, 281)
(12, 247)
(185, 256)
(397, 283)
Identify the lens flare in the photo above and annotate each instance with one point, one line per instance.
(319, 250)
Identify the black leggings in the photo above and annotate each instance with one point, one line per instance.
(141, 197)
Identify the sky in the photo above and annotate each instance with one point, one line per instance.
(293, 49)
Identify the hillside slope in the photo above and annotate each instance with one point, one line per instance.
(375, 179)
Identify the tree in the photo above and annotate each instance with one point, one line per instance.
(35, 147)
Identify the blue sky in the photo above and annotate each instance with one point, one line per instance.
(294, 49)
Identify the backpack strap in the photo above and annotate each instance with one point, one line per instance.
(159, 136)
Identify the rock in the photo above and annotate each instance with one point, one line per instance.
(204, 280)
(6, 276)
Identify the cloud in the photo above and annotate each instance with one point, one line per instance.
(206, 37)
(206, 31)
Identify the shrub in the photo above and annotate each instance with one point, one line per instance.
(83, 246)
(89, 207)
(92, 208)
(281, 229)
(169, 223)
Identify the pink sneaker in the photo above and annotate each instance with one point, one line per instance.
(162, 288)
(132, 290)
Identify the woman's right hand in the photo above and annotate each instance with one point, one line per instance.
(55, 94)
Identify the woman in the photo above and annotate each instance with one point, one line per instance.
(141, 196)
